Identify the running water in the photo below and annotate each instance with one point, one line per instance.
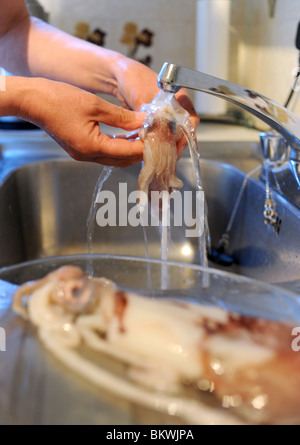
(91, 220)
(158, 171)
(149, 278)
(204, 237)
(183, 121)
(165, 239)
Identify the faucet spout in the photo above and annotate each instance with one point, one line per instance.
(173, 77)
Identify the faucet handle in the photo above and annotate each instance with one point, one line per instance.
(274, 147)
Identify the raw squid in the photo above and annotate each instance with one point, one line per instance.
(162, 129)
(198, 362)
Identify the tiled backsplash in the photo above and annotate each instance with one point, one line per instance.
(170, 22)
(262, 53)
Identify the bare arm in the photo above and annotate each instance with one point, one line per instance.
(31, 48)
(71, 116)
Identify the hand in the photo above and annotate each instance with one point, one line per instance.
(71, 116)
(33, 48)
(187, 104)
(137, 85)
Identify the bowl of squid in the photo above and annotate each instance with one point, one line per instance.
(108, 339)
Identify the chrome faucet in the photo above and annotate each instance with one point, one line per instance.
(173, 77)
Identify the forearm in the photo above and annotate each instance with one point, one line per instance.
(31, 47)
(34, 48)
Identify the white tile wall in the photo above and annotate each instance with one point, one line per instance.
(265, 54)
(171, 21)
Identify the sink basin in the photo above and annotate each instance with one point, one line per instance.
(44, 208)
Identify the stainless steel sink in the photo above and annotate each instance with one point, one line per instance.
(44, 208)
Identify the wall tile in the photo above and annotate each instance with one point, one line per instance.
(171, 21)
(264, 55)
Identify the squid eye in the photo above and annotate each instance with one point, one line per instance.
(77, 290)
(172, 125)
(77, 294)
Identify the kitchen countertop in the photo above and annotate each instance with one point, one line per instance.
(221, 132)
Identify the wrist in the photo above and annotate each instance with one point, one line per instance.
(14, 89)
(21, 97)
(105, 76)
(121, 65)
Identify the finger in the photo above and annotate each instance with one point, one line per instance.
(188, 105)
(119, 148)
(116, 116)
(103, 146)
(105, 160)
(132, 135)
(181, 146)
(122, 163)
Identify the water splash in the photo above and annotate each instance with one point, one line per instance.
(165, 240)
(91, 220)
(182, 120)
(149, 278)
(166, 106)
(204, 242)
(204, 238)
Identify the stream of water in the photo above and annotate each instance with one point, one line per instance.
(204, 237)
(91, 220)
(164, 226)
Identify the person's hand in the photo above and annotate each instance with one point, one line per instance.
(31, 47)
(137, 85)
(187, 104)
(71, 116)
